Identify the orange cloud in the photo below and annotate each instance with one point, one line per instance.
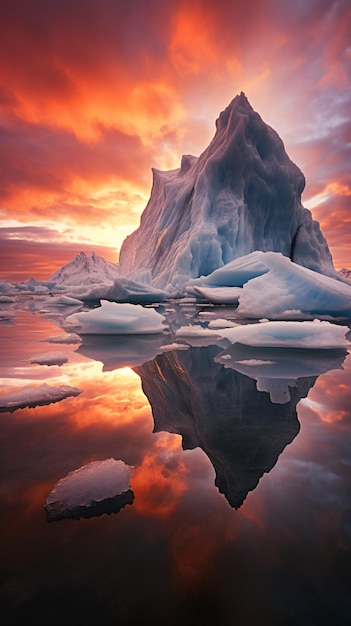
(160, 480)
(93, 96)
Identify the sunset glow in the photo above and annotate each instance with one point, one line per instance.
(93, 95)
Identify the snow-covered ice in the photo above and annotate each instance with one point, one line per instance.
(289, 334)
(220, 295)
(96, 488)
(221, 323)
(49, 358)
(85, 270)
(277, 288)
(117, 319)
(31, 396)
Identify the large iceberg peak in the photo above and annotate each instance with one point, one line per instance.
(243, 193)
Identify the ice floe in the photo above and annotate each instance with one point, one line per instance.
(30, 396)
(96, 488)
(116, 319)
(49, 358)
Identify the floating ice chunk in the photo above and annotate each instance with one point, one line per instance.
(289, 288)
(195, 331)
(6, 315)
(125, 290)
(221, 323)
(7, 299)
(275, 287)
(117, 319)
(288, 334)
(97, 488)
(6, 287)
(174, 346)
(49, 358)
(30, 396)
(198, 336)
(220, 295)
(66, 338)
(62, 300)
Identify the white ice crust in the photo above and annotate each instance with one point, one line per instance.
(113, 318)
(274, 287)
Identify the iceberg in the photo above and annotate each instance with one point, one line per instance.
(242, 194)
(113, 318)
(271, 285)
(31, 397)
(96, 488)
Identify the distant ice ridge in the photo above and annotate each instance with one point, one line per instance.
(268, 284)
(85, 270)
(242, 194)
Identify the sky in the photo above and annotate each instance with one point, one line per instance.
(94, 93)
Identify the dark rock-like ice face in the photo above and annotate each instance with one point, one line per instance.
(242, 194)
(220, 410)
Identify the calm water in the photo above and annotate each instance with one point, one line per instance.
(241, 511)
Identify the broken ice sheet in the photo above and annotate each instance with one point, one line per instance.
(92, 490)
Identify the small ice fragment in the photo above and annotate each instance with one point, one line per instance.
(96, 488)
(66, 338)
(31, 396)
(49, 358)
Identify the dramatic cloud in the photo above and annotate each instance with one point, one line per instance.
(93, 93)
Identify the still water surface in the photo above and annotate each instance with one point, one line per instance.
(241, 511)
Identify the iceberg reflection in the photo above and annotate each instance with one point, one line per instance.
(220, 410)
(277, 370)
